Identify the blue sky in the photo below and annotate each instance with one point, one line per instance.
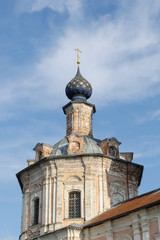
(120, 41)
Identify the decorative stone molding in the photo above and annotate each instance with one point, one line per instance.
(124, 237)
(34, 231)
(136, 226)
(75, 145)
(72, 183)
(42, 150)
(107, 143)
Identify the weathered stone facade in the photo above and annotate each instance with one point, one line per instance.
(79, 117)
(141, 225)
(80, 177)
(101, 181)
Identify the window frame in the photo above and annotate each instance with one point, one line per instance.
(73, 183)
(113, 149)
(76, 212)
(36, 207)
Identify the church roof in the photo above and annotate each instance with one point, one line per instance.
(90, 146)
(60, 156)
(132, 205)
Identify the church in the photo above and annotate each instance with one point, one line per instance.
(84, 188)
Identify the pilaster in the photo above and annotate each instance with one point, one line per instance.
(158, 216)
(86, 234)
(144, 224)
(54, 199)
(45, 206)
(100, 193)
(24, 219)
(50, 212)
(136, 227)
(88, 199)
(109, 230)
(157, 235)
(59, 201)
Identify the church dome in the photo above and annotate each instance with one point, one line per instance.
(78, 88)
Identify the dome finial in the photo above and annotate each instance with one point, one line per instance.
(78, 87)
(78, 58)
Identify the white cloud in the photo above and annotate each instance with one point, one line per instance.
(17, 144)
(120, 58)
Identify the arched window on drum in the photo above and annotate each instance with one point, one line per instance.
(35, 211)
(74, 204)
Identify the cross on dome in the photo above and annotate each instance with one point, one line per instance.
(78, 58)
(78, 87)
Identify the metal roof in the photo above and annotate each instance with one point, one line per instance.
(132, 205)
(90, 146)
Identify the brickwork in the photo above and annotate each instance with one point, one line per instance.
(94, 173)
(52, 180)
(42, 151)
(79, 118)
(153, 228)
(107, 143)
(75, 145)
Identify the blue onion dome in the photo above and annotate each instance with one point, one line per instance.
(78, 88)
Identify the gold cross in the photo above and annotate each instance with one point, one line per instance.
(78, 58)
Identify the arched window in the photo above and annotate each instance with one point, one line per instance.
(74, 204)
(112, 151)
(36, 211)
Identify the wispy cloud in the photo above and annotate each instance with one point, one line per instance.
(17, 144)
(60, 6)
(16, 151)
(120, 57)
(147, 148)
(150, 116)
(153, 165)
